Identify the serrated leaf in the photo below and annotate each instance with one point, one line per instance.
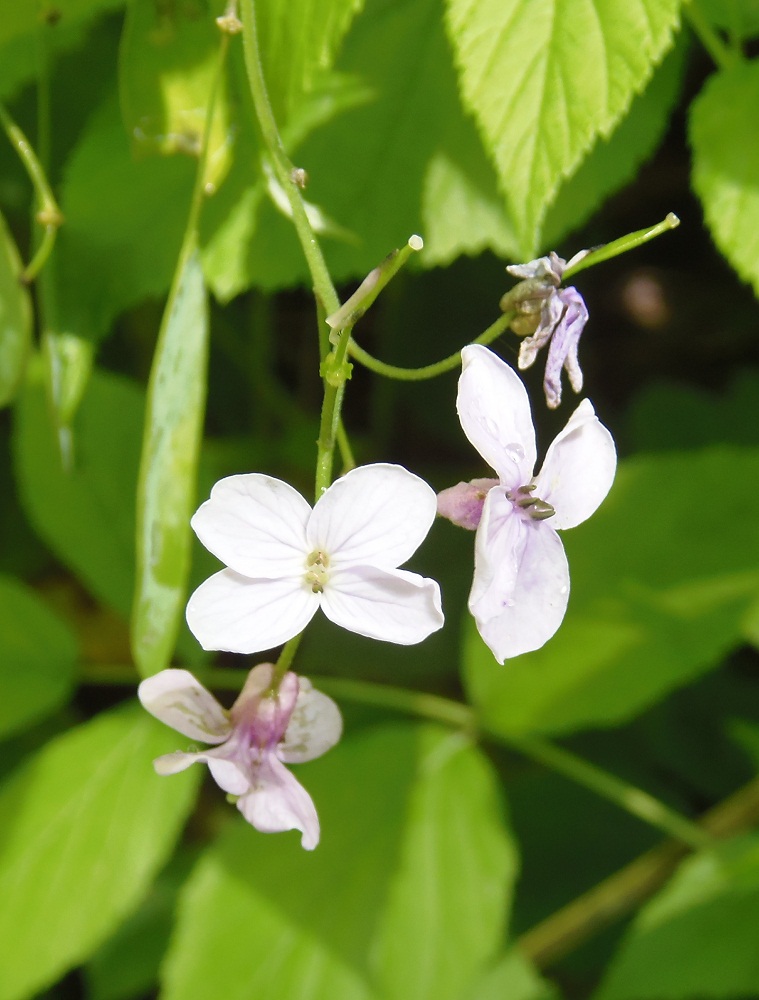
(544, 79)
(168, 468)
(168, 62)
(15, 318)
(85, 516)
(661, 584)
(37, 658)
(86, 824)
(726, 164)
(428, 817)
(124, 225)
(697, 938)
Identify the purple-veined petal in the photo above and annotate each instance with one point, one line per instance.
(391, 605)
(579, 468)
(521, 586)
(497, 545)
(234, 613)
(178, 700)
(550, 314)
(277, 801)
(495, 414)
(562, 351)
(376, 515)
(256, 525)
(315, 726)
(259, 713)
(229, 773)
(462, 504)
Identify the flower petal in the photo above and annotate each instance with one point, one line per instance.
(391, 605)
(277, 802)
(256, 525)
(234, 613)
(521, 581)
(180, 701)
(227, 774)
(579, 468)
(495, 414)
(376, 515)
(462, 504)
(562, 351)
(315, 726)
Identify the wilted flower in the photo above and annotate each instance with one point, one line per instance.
(286, 560)
(554, 316)
(263, 731)
(521, 578)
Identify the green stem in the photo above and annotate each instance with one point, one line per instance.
(723, 56)
(284, 661)
(448, 364)
(346, 452)
(622, 245)
(48, 213)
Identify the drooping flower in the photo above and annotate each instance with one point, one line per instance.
(552, 315)
(263, 731)
(286, 560)
(521, 578)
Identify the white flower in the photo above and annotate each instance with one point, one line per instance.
(286, 560)
(263, 731)
(521, 578)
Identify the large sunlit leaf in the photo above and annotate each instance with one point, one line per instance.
(168, 64)
(405, 896)
(86, 824)
(662, 583)
(15, 318)
(697, 938)
(545, 78)
(37, 657)
(726, 164)
(168, 471)
(514, 978)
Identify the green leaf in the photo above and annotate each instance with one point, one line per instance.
(409, 885)
(726, 164)
(545, 79)
(124, 225)
(85, 516)
(514, 978)
(168, 63)
(739, 17)
(614, 161)
(86, 824)
(168, 470)
(661, 584)
(37, 658)
(15, 318)
(697, 938)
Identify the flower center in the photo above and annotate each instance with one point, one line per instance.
(316, 576)
(532, 506)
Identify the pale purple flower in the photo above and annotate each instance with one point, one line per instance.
(263, 731)
(521, 579)
(562, 318)
(285, 560)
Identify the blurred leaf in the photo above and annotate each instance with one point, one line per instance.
(85, 516)
(726, 164)
(661, 583)
(513, 978)
(168, 63)
(124, 225)
(428, 817)
(739, 17)
(297, 40)
(544, 80)
(15, 318)
(168, 471)
(37, 658)
(615, 161)
(697, 938)
(85, 825)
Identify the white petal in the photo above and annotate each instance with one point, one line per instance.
(315, 726)
(228, 774)
(376, 515)
(495, 414)
(256, 525)
(277, 802)
(578, 469)
(521, 585)
(391, 605)
(234, 613)
(180, 701)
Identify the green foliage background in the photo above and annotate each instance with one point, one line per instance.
(144, 363)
